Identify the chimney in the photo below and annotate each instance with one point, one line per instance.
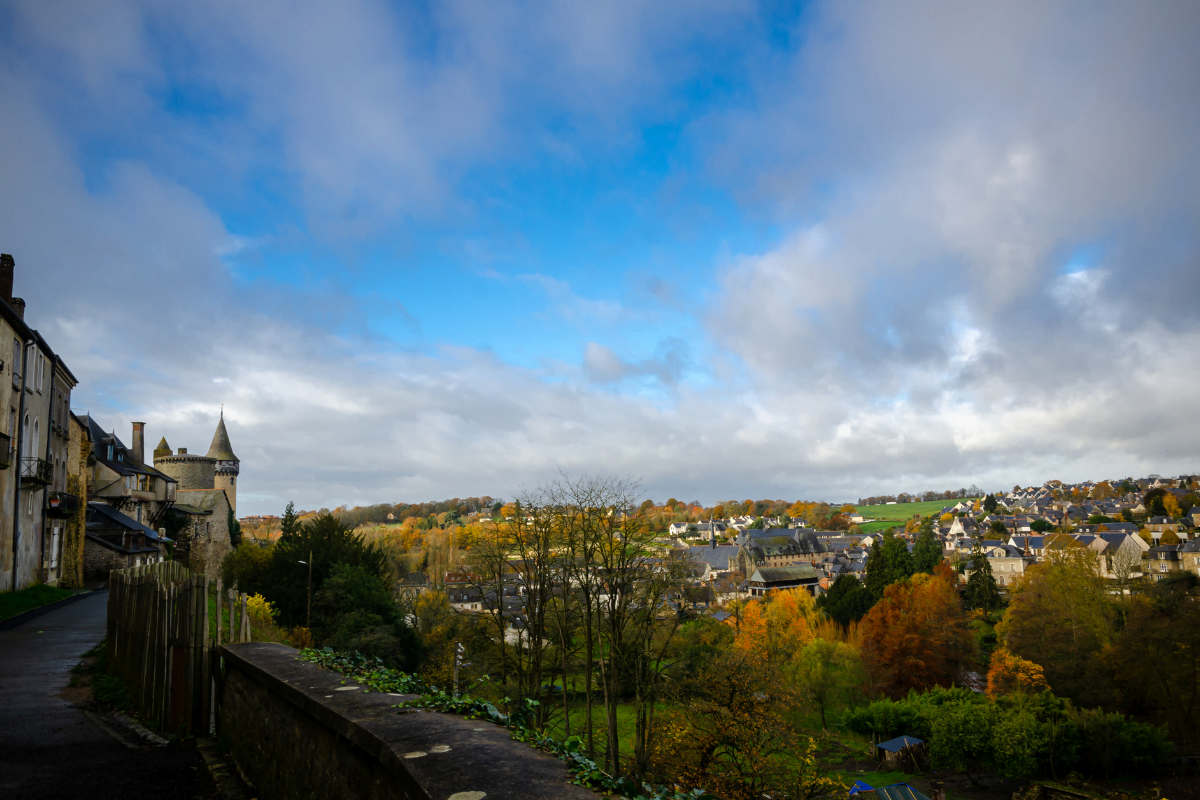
(18, 305)
(139, 442)
(7, 265)
(182, 451)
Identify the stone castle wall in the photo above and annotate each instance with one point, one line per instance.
(192, 472)
(227, 480)
(203, 543)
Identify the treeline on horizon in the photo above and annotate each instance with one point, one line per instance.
(441, 513)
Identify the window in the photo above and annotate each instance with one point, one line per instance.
(16, 362)
(110, 453)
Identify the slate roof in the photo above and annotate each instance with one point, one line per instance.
(122, 461)
(221, 449)
(802, 572)
(899, 791)
(716, 557)
(106, 515)
(897, 744)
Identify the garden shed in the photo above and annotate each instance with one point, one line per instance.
(901, 753)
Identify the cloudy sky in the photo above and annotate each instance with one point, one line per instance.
(738, 250)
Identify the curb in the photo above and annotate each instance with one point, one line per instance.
(33, 613)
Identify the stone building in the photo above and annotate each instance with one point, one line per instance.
(127, 501)
(206, 503)
(36, 386)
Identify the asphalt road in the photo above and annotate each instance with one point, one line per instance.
(50, 749)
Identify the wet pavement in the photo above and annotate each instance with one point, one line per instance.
(50, 748)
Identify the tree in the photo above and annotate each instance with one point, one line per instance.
(916, 636)
(998, 527)
(235, 528)
(757, 525)
(989, 502)
(1010, 673)
(289, 525)
(329, 542)
(353, 610)
(889, 561)
(1041, 526)
(1155, 503)
(927, 551)
(963, 738)
(982, 591)
(1169, 537)
(1061, 616)
(824, 671)
(729, 732)
(846, 601)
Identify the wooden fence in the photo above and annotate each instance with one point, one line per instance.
(160, 643)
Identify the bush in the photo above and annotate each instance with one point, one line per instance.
(246, 566)
(355, 611)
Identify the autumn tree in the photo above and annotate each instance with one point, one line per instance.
(1010, 673)
(729, 731)
(916, 636)
(1060, 615)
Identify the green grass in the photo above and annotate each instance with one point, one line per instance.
(13, 603)
(903, 511)
(875, 779)
(881, 525)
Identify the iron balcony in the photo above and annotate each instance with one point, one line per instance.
(36, 471)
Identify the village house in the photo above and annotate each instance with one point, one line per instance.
(36, 386)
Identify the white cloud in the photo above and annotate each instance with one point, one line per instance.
(911, 330)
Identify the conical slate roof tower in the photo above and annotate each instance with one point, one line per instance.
(228, 464)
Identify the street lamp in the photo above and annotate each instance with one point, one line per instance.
(308, 615)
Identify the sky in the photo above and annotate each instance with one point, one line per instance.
(729, 249)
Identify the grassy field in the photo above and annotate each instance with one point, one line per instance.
(36, 596)
(903, 511)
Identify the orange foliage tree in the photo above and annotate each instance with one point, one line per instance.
(1010, 673)
(916, 636)
(778, 626)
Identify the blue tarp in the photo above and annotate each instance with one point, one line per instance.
(897, 744)
(859, 786)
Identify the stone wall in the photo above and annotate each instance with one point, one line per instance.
(192, 472)
(297, 731)
(203, 543)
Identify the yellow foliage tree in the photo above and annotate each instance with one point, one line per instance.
(1172, 506)
(1010, 673)
(779, 626)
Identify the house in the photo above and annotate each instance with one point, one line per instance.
(1189, 556)
(35, 387)
(1157, 526)
(766, 579)
(117, 541)
(1163, 560)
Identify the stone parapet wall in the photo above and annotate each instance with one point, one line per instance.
(297, 731)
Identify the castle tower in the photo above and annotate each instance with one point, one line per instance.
(227, 464)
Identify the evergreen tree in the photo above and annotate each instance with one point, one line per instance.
(989, 503)
(235, 529)
(846, 601)
(982, 591)
(888, 562)
(927, 552)
(290, 524)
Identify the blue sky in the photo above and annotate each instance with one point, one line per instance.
(732, 248)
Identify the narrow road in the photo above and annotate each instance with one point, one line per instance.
(49, 748)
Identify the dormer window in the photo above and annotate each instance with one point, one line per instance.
(110, 452)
